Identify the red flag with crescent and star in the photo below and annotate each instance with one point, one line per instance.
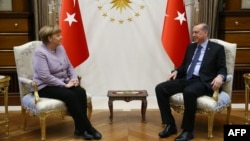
(175, 34)
(73, 35)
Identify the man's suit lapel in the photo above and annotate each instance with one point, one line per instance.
(207, 53)
(191, 53)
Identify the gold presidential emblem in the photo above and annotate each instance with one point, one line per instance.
(120, 11)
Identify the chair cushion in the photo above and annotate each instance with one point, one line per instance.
(44, 105)
(206, 103)
(223, 100)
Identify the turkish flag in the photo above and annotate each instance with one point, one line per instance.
(175, 35)
(73, 35)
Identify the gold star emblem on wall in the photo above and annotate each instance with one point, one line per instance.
(120, 11)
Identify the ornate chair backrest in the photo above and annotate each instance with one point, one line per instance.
(230, 51)
(24, 63)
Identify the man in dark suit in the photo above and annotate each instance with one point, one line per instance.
(207, 75)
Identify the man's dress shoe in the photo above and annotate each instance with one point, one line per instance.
(169, 130)
(84, 135)
(185, 136)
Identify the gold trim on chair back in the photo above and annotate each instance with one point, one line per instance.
(24, 59)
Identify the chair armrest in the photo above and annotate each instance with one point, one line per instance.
(229, 78)
(79, 79)
(25, 80)
(31, 83)
(216, 93)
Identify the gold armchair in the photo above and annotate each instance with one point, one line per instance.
(33, 104)
(220, 101)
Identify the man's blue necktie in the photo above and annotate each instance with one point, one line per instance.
(194, 62)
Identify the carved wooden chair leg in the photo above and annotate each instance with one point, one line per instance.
(90, 108)
(43, 127)
(24, 118)
(210, 124)
(229, 108)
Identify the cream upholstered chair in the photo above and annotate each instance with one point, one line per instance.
(219, 102)
(36, 106)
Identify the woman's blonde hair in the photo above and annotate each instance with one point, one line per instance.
(47, 31)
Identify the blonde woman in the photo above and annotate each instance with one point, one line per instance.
(56, 79)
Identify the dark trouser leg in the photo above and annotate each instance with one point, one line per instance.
(76, 106)
(190, 94)
(82, 97)
(163, 92)
(82, 108)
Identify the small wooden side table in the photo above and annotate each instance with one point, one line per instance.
(4, 88)
(128, 95)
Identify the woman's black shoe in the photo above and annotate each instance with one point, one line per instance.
(96, 135)
(84, 134)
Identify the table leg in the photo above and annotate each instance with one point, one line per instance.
(143, 109)
(111, 110)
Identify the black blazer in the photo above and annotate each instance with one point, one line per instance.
(214, 62)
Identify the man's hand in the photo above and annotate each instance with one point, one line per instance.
(217, 82)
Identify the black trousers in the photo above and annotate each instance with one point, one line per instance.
(191, 89)
(75, 99)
